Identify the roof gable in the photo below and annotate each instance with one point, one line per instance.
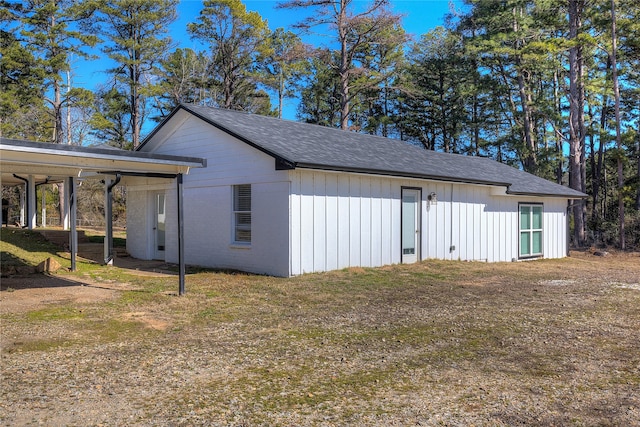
(302, 145)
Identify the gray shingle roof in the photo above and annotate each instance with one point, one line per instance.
(301, 145)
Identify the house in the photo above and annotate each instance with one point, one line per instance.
(284, 198)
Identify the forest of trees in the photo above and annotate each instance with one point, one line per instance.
(548, 86)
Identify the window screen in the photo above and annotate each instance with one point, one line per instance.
(242, 213)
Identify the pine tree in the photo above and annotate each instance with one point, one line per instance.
(183, 78)
(136, 35)
(48, 29)
(355, 30)
(22, 113)
(236, 38)
(282, 66)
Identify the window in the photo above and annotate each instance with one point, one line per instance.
(242, 213)
(530, 230)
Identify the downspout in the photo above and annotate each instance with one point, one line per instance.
(108, 259)
(181, 260)
(73, 236)
(568, 233)
(452, 247)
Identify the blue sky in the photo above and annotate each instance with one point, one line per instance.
(419, 16)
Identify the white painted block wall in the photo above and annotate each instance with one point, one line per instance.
(208, 202)
(137, 225)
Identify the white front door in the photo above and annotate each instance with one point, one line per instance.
(159, 226)
(410, 225)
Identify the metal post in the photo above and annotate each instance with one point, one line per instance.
(23, 204)
(44, 208)
(31, 203)
(107, 221)
(108, 214)
(66, 215)
(73, 236)
(181, 288)
(24, 200)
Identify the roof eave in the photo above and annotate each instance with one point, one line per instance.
(558, 195)
(380, 172)
(58, 160)
(99, 153)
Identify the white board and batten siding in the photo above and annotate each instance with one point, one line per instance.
(341, 220)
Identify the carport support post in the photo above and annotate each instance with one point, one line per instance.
(23, 203)
(73, 236)
(181, 290)
(108, 219)
(31, 203)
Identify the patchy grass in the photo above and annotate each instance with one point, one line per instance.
(552, 342)
(26, 247)
(97, 236)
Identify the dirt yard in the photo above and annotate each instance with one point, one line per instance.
(544, 343)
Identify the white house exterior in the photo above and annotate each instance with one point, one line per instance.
(285, 198)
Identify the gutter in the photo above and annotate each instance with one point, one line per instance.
(396, 174)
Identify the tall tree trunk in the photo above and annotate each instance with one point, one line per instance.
(134, 75)
(576, 118)
(57, 113)
(446, 142)
(558, 135)
(597, 162)
(638, 174)
(616, 94)
(530, 158)
(345, 65)
(280, 92)
(69, 133)
(476, 128)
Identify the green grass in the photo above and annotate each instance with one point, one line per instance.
(26, 247)
(119, 238)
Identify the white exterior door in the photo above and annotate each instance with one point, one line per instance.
(410, 225)
(159, 226)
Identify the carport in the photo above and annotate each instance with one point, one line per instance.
(31, 163)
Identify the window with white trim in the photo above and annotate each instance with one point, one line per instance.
(242, 213)
(531, 223)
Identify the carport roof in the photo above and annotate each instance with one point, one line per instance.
(56, 161)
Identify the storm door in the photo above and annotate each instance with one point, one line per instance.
(410, 225)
